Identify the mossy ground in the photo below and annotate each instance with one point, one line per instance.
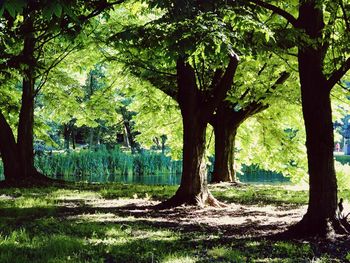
(116, 223)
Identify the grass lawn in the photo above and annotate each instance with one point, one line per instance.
(116, 223)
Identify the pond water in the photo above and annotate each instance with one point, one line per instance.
(174, 179)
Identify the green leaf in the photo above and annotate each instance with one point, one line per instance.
(57, 9)
(267, 36)
(47, 12)
(11, 9)
(2, 9)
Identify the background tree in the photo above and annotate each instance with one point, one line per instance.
(242, 103)
(29, 28)
(320, 30)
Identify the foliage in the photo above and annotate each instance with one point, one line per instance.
(343, 175)
(273, 140)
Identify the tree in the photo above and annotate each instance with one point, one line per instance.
(231, 113)
(199, 42)
(322, 31)
(30, 27)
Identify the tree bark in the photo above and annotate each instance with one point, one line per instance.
(8, 150)
(73, 135)
(195, 112)
(224, 170)
(66, 135)
(193, 188)
(319, 143)
(225, 123)
(26, 115)
(315, 92)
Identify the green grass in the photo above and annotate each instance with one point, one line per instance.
(261, 195)
(59, 225)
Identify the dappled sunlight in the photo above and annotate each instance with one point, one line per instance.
(178, 258)
(65, 194)
(100, 217)
(87, 227)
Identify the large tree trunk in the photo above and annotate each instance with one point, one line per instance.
(193, 188)
(321, 214)
(26, 115)
(196, 109)
(8, 150)
(317, 114)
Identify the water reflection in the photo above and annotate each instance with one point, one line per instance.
(174, 179)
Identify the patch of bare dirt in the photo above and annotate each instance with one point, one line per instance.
(235, 221)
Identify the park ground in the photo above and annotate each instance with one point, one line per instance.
(118, 223)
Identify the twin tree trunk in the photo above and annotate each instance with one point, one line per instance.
(225, 122)
(18, 158)
(197, 107)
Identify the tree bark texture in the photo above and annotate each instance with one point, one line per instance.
(8, 150)
(26, 115)
(195, 105)
(317, 112)
(225, 123)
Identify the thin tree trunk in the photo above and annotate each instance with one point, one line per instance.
(225, 122)
(91, 138)
(73, 133)
(66, 133)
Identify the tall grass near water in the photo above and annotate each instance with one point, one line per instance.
(103, 162)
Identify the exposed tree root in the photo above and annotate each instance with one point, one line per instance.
(323, 228)
(200, 200)
(231, 183)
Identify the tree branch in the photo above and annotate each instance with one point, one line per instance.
(257, 106)
(58, 60)
(275, 9)
(338, 74)
(346, 19)
(220, 90)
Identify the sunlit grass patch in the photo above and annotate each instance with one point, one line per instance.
(179, 258)
(140, 191)
(19, 246)
(226, 254)
(74, 194)
(262, 195)
(292, 250)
